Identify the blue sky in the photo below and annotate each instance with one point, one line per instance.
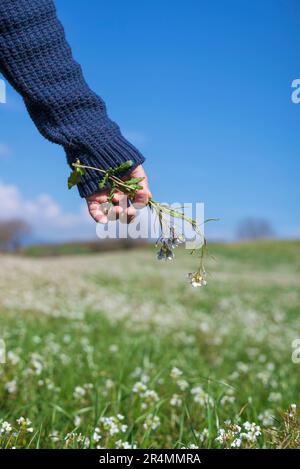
(202, 88)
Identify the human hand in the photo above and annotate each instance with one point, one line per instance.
(99, 207)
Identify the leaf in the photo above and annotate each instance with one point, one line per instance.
(134, 180)
(103, 182)
(123, 167)
(75, 177)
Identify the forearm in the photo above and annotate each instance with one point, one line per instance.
(36, 58)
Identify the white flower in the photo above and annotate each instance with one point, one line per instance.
(36, 361)
(79, 392)
(113, 348)
(139, 388)
(152, 422)
(202, 436)
(149, 397)
(25, 423)
(125, 445)
(5, 428)
(176, 401)
(109, 384)
(96, 436)
(201, 397)
(54, 436)
(175, 373)
(11, 386)
(113, 425)
(12, 357)
(197, 279)
(267, 418)
(227, 400)
(182, 384)
(77, 420)
(275, 397)
(236, 443)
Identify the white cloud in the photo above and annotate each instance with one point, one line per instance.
(45, 215)
(5, 150)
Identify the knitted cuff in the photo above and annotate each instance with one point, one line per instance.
(110, 155)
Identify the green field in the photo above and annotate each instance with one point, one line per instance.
(117, 350)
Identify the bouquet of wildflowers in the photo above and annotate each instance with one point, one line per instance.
(169, 238)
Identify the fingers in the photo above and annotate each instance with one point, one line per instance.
(142, 196)
(98, 212)
(102, 211)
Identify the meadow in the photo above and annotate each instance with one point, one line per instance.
(116, 350)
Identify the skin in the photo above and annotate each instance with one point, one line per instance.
(97, 203)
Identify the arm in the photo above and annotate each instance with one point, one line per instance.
(37, 60)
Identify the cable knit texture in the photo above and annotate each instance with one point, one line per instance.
(37, 60)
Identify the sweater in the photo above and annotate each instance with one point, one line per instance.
(37, 60)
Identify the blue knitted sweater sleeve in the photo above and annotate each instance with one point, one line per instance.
(37, 60)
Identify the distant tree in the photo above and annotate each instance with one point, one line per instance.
(254, 228)
(12, 234)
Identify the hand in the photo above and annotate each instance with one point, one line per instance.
(98, 203)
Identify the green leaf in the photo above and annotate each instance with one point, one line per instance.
(104, 181)
(133, 181)
(123, 167)
(75, 176)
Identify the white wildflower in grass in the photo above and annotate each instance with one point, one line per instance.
(175, 401)
(182, 384)
(109, 384)
(267, 418)
(37, 363)
(11, 386)
(96, 435)
(175, 373)
(54, 436)
(190, 446)
(228, 398)
(201, 397)
(202, 436)
(25, 424)
(67, 338)
(237, 436)
(145, 378)
(236, 443)
(36, 339)
(12, 357)
(77, 420)
(152, 422)
(137, 372)
(113, 348)
(5, 428)
(113, 425)
(139, 387)
(292, 412)
(242, 367)
(275, 397)
(150, 397)
(79, 392)
(253, 431)
(125, 445)
(76, 440)
(88, 386)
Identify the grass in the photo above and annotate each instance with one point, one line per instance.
(116, 350)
